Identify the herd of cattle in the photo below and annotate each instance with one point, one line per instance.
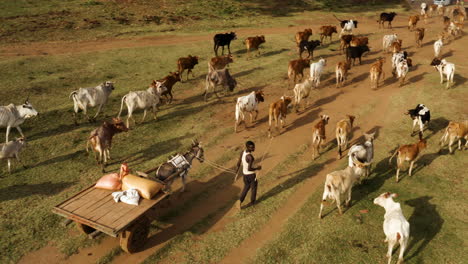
(360, 156)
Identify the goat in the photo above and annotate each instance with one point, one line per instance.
(376, 71)
(318, 135)
(316, 70)
(455, 131)
(341, 71)
(91, 97)
(11, 150)
(395, 226)
(342, 131)
(409, 153)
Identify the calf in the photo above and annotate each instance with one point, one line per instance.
(413, 21)
(219, 78)
(302, 91)
(318, 135)
(454, 29)
(455, 131)
(339, 183)
(327, 31)
(386, 17)
(296, 67)
(355, 52)
(316, 70)
(344, 22)
(396, 46)
(101, 139)
(402, 68)
(11, 150)
(303, 35)
(359, 41)
(254, 43)
(387, 41)
(91, 97)
(278, 111)
(309, 46)
(444, 68)
(441, 10)
(432, 10)
(395, 226)
(342, 132)
(223, 40)
(446, 21)
(146, 100)
(419, 36)
(169, 82)
(396, 58)
(341, 71)
(408, 153)
(421, 116)
(248, 103)
(376, 71)
(362, 154)
(14, 115)
(219, 62)
(187, 63)
(347, 28)
(345, 42)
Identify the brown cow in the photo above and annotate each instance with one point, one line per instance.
(296, 67)
(169, 82)
(359, 41)
(345, 41)
(446, 22)
(318, 135)
(219, 62)
(376, 71)
(342, 132)
(408, 153)
(432, 9)
(413, 20)
(327, 31)
(303, 35)
(419, 36)
(254, 43)
(341, 71)
(187, 63)
(278, 110)
(396, 46)
(454, 131)
(101, 139)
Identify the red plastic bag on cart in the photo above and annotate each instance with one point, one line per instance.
(113, 181)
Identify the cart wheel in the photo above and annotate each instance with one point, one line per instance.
(84, 228)
(134, 238)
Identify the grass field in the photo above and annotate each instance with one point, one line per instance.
(58, 166)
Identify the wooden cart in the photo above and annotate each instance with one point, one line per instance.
(94, 211)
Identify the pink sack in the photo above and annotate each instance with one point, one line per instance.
(113, 181)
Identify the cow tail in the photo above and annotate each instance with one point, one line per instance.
(339, 141)
(73, 96)
(445, 135)
(270, 116)
(237, 112)
(124, 98)
(390, 160)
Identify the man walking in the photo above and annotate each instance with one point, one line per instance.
(248, 172)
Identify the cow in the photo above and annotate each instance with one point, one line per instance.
(327, 31)
(187, 63)
(318, 135)
(344, 22)
(444, 68)
(169, 82)
(376, 71)
(219, 77)
(386, 17)
(345, 42)
(14, 115)
(395, 226)
(101, 139)
(347, 28)
(303, 35)
(421, 115)
(388, 40)
(296, 67)
(302, 91)
(396, 58)
(409, 153)
(91, 97)
(359, 41)
(341, 71)
(316, 70)
(342, 132)
(248, 103)
(356, 52)
(432, 9)
(10, 150)
(446, 21)
(412, 22)
(309, 46)
(402, 68)
(254, 43)
(396, 46)
(362, 154)
(419, 36)
(455, 131)
(219, 62)
(223, 40)
(146, 100)
(277, 111)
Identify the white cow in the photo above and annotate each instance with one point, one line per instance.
(146, 100)
(444, 68)
(397, 57)
(316, 70)
(11, 150)
(388, 40)
(91, 97)
(402, 69)
(248, 103)
(438, 47)
(395, 226)
(14, 115)
(302, 91)
(348, 28)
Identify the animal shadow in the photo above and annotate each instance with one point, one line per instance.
(25, 190)
(273, 52)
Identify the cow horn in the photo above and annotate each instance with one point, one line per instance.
(27, 100)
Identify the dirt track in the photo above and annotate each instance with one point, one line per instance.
(328, 100)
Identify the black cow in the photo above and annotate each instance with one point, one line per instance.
(421, 116)
(343, 22)
(309, 46)
(386, 17)
(356, 52)
(223, 40)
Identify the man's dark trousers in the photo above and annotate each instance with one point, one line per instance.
(249, 183)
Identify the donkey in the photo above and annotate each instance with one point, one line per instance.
(180, 164)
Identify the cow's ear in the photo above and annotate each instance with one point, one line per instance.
(386, 195)
(394, 195)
